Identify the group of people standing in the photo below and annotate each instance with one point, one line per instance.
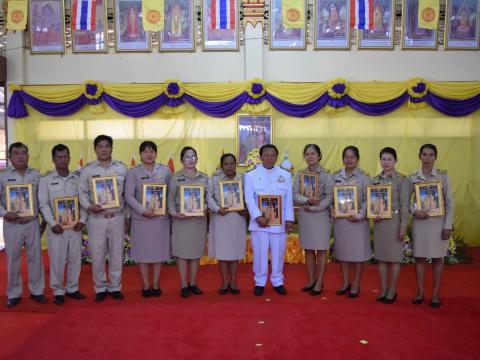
(155, 238)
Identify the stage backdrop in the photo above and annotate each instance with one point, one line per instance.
(405, 129)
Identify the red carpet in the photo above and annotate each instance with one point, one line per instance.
(246, 327)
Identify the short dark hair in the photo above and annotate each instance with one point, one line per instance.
(16, 145)
(388, 150)
(268, 146)
(59, 148)
(224, 156)
(314, 147)
(147, 144)
(354, 149)
(101, 138)
(185, 149)
(428, 146)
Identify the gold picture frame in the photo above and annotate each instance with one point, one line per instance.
(92, 41)
(271, 208)
(105, 191)
(231, 195)
(429, 197)
(130, 36)
(66, 211)
(192, 200)
(345, 200)
(309, 184)
(411, 36)
(19, 199)
(281, 37)
(379, 201)
(154, 198)
(213, 39)
(252, 132)
(46, 23)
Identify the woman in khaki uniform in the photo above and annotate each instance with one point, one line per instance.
(389, 233)
(431, 233)
(189, 233)
(228, 229)
(314, 223)
(352, 234)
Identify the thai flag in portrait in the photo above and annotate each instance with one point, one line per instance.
(361, 14)
(83, 14)
(223, 14)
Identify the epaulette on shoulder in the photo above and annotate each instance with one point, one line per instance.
(202, 173)
(400, 175)
(76, 172)
(412, 174)
(338, 171)
(121, 163)
(46, 173)
(363, 172)
(442, 171)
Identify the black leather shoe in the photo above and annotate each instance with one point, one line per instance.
(381, 298)
(417, 301)
(156, 292)
(12, 302)
(309, 288)
(146, 293)
(343, 291)
(223, 291)
(353, 295)
(234, 291)
(41, 299)
(280, 290)
(185, 293)
(116, 295)
(258, 290)
(100, 296)
(59, 300)
(76, 295)
(435, 304)
(316, 292)
(390, 301)
(195, 289)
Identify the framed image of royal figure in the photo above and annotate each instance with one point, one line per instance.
(129, 32)
(154, 198)
(66, 211)
(231, 195)
(105, 191)
(429, 198)
(47, 26)
(413, 36)
(382, 35)
(271, 208)
(192, 200)
(345, 200)
(94, 40)
(288, 25)
(178, 30)
(253, 131)
(220, 25)
(309, 184)
(462, 24)
(19, 199)
(379, 201)
(332, 24)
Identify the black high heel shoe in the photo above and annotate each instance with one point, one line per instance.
(418, 301)
(343, 291)
(390, 301)
(316, 292)
(381, 298)
(309, 288)
(435, 304)
(352, 295)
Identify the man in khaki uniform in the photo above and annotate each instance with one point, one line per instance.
(21, 232)
(64, 245)
(105, 226)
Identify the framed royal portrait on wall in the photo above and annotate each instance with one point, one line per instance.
(47, 26)
(154, 198)
(19, 199)
(287, 26)
(429, 198)
(414, 37)
(309, 184)
(379, 201)
(66, 211)
(178, 31)
(382, 35)
(231, 195)
(345, 201)
(253, 131)
(129, 32)
(220, 25)
(271, 208)
(105, 191)
(95, 40)
(192, 200)
(462, 24)
(331, 24)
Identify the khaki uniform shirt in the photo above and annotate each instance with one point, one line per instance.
(178, 179)
(325, 192)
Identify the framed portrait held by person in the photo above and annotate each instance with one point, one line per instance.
(231, 195)
(271, 208)
(429, 198)
(379, 201)
(253, 131)
(66, 211)
(154, 198)
(345, 201)
(309, 184)
(105, 191)
(192, 200)
(47, 26)
(19, 199)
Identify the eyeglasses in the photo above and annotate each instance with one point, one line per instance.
(193, 157)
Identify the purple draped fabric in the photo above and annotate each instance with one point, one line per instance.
(135, 109)
(378, 108)
(453, 107)
(219, 109)
(298, 110)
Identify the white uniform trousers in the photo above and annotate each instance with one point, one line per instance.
(106, 237)
(261, 242)
(17, 236)
(64, 249)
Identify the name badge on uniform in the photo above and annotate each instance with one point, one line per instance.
(144, 177)
(338, 181)
(54, 183)
(97, 175)
(281, 179)
(10, 180)
(179, 180)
